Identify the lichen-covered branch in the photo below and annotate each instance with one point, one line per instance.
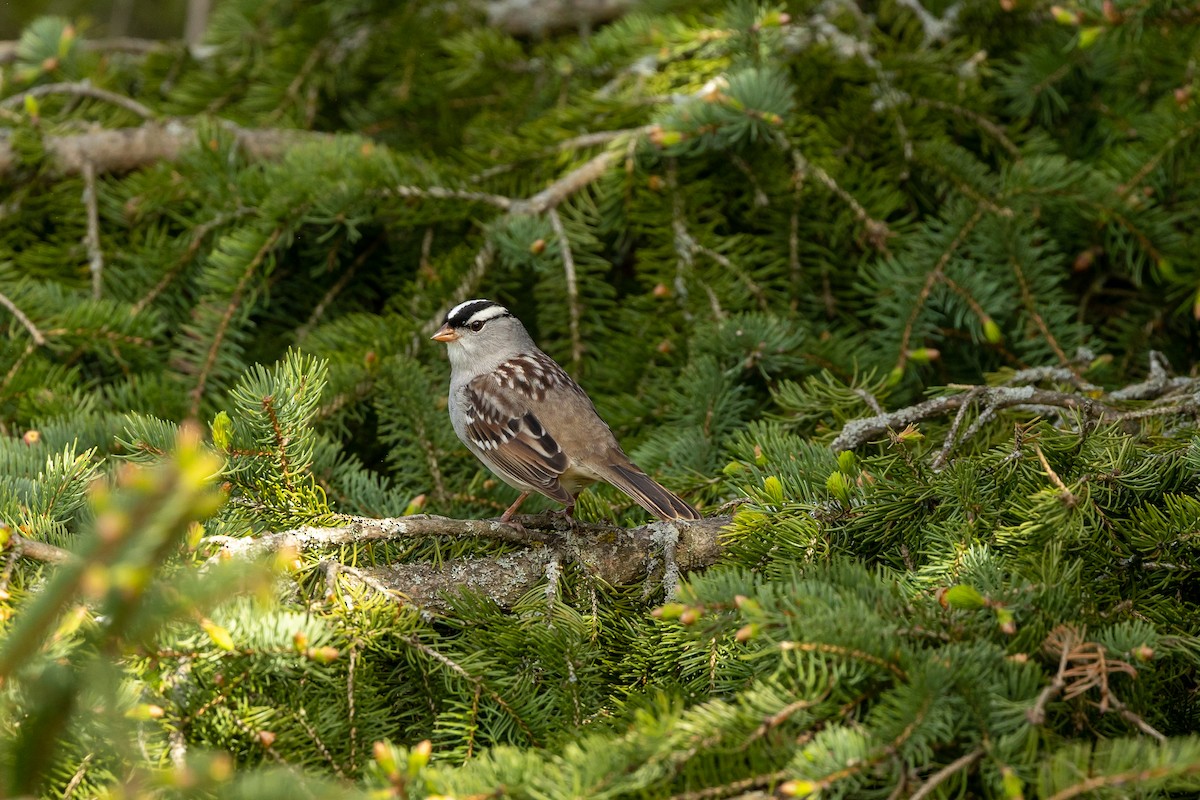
(1168, 396)
(611, 554)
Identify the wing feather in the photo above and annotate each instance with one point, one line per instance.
(501, 424)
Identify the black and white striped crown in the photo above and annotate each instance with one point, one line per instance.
(465, 313)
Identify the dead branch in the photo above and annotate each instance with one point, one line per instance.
(124, 149)
(609, 553)
(860, 431)
(1166, 396)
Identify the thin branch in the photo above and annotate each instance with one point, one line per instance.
(1128, 778)
(567, 185)
(952, 436)
(341, 283)
(442, 193)
(91, 239)
(860, 431)
(235, 300)
(739, 788)
(79, 89)
(1030, 302)
(1129, 716)
(573, 312)
(937, 778)
(199, 233)
(877, 231)
(38, 338)
(931, 279)
(475, 680)
(1057, 481)
(989, 127)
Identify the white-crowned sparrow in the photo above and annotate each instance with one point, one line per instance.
(524, 417)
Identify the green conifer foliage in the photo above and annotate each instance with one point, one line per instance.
(909, 292)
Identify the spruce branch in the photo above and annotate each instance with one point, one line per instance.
(341, 283)
(1152, 163)
(1127, 778)
(79, 89)
(476, 680)
(738, 789)
(199, 234)
(932, 279)
(877, 231)
(1030, 301)
(985, 124)
(686, 246)
(77, 778)
(210, 360)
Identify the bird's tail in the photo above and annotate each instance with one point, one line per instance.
(648, 494)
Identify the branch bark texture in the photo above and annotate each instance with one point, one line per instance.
(609, 553)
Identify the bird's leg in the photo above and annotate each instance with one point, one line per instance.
(507, 515)
(569, 513)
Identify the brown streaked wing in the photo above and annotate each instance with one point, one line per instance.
(510, 434)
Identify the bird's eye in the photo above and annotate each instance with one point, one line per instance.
(476, 326)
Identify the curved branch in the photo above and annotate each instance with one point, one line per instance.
(79, 89)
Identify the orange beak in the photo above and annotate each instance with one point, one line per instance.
(445, 334)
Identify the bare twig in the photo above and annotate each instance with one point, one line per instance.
(79, 89)
(1157, 383)
(1135, 720)
(91, 239)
